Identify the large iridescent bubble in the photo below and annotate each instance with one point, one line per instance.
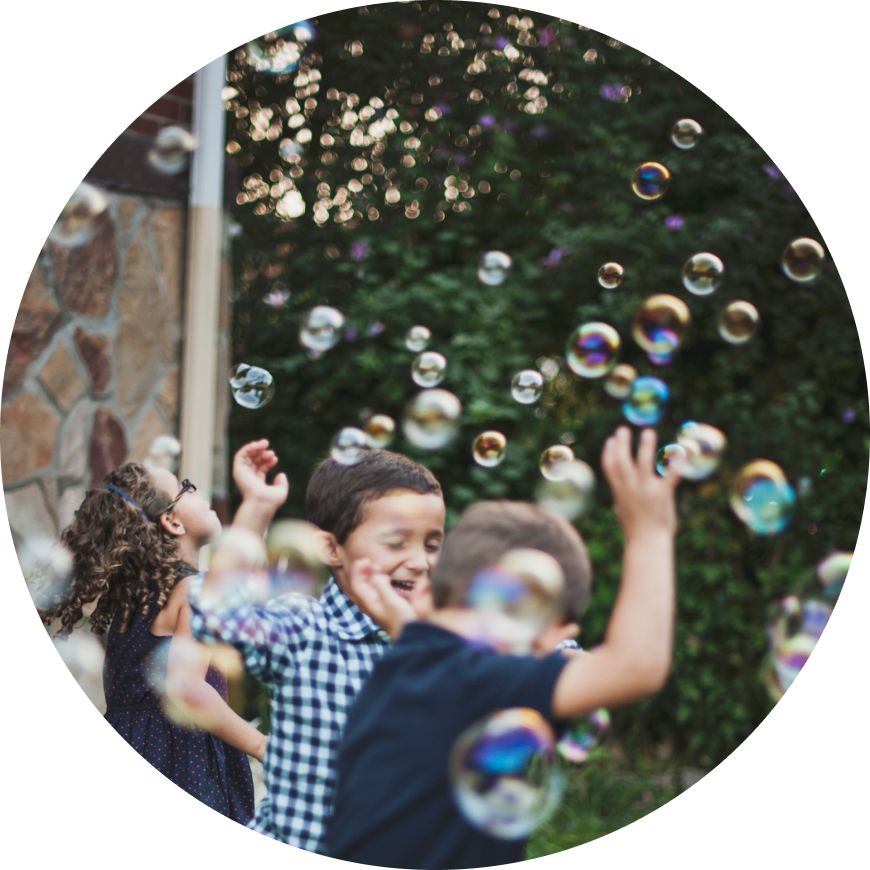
(593, 349)
(762, 498)
(650, 180)
(504, 775)
(647, 402)
(660, 326)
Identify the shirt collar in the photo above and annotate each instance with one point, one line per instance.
(344, 617)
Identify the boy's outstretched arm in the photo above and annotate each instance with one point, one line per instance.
(635, 659)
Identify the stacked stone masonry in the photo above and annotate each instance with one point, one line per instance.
(92, 374)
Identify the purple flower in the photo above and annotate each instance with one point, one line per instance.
(486, 121)
(674, 222)
(848, 415)
(568, 41)
(501, 42)
(772, 171)
(541, 131)
(443, 108)
(459, 160)
(374, 329)
(276, 298)
(546, 38)
(359, 250)
(507, 126)
(788, 188)
(553, 258)
(611, 92)
(350, 333)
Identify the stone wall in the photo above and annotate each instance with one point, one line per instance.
(92, 374)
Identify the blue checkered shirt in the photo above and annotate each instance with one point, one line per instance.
(313, 656)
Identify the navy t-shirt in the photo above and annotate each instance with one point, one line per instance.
(393, 804)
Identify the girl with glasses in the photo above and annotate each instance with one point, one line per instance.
(135, 543)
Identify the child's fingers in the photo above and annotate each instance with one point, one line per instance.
(646, 451)
(281, 485)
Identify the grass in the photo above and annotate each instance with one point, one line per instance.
(604, 795)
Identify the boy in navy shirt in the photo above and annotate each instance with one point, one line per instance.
(393, 804)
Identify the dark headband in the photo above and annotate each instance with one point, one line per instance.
(126, 497)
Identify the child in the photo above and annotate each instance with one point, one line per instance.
(315, 658)
(135, 543)
(393, 805)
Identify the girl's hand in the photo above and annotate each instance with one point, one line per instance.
(251, 464)
(372, 592)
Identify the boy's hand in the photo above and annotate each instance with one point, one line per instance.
(251, 464)
(643, 501)
(372, 592)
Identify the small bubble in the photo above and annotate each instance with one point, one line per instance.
(553, 458)
(610, 275)
(619, 381)
(647, 402)
(164, 452)
(832, 571)
(77, 223)
(252, 386)
(431, 419)
(762, 498)
(738, 322)
(686, 133)
(583, 735)
(494, 267)
(321, 328)
(380, 430)
(704, 446)
(802, 260)
(489, 449)
(348, 445)
(650, 180)
(417, 338)
(670, 457)
(702, 274)
(527, 387)
(569, 489)
(429, 369)
(660, 326)
(592, 350)
(171, 150)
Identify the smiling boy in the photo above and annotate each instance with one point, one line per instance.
(315, 656)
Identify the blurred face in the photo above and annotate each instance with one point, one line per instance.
(402, 533)
(192, 511)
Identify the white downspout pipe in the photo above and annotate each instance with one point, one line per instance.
(204, 241)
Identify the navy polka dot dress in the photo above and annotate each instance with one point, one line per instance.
(134, 677)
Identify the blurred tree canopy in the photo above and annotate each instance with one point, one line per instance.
(419, 135)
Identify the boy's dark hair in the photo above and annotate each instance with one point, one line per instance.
(488, 530)
(337, 494)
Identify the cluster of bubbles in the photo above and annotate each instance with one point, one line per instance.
(252, 386)
(504, 773)
(799, 625)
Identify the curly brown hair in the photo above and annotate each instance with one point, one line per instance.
(123, 560)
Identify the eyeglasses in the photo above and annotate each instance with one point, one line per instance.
(186, 486)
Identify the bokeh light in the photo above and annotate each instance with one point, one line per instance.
(647, 402)
(762, 498)
(489, 448)
(738, 321)
(650, 180)
(592, 350)
(503, 773)
(702, 273)
(431, 419)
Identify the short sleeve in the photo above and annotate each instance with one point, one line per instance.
(268, 638)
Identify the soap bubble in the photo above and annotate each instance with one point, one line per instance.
(348, 445)
(252, 386)
(610, 275)
(650, 180)
(417, 338)
(527, 386)
(489, 449)
(802, 260)
(552, 458)
(686, 133)
(619, 381)
(786, 662)
(303, 31)
(762, 498)
(164, 452)
(380, 430)
(571, 493)
(293, 554)
(647, 402)
(504, 775)
(583, 735)
(669, 458)
(592, 350)
(814, 618)
(832, 571)
(493, 268)
(171, 150)
(660, 326)
(431, 419)
(428, 369)
(274, 56)
(704, 446)
(738, 321)
(78, 222)
(321, 328)
(84, 656)
(47, 566)
(702, 274)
